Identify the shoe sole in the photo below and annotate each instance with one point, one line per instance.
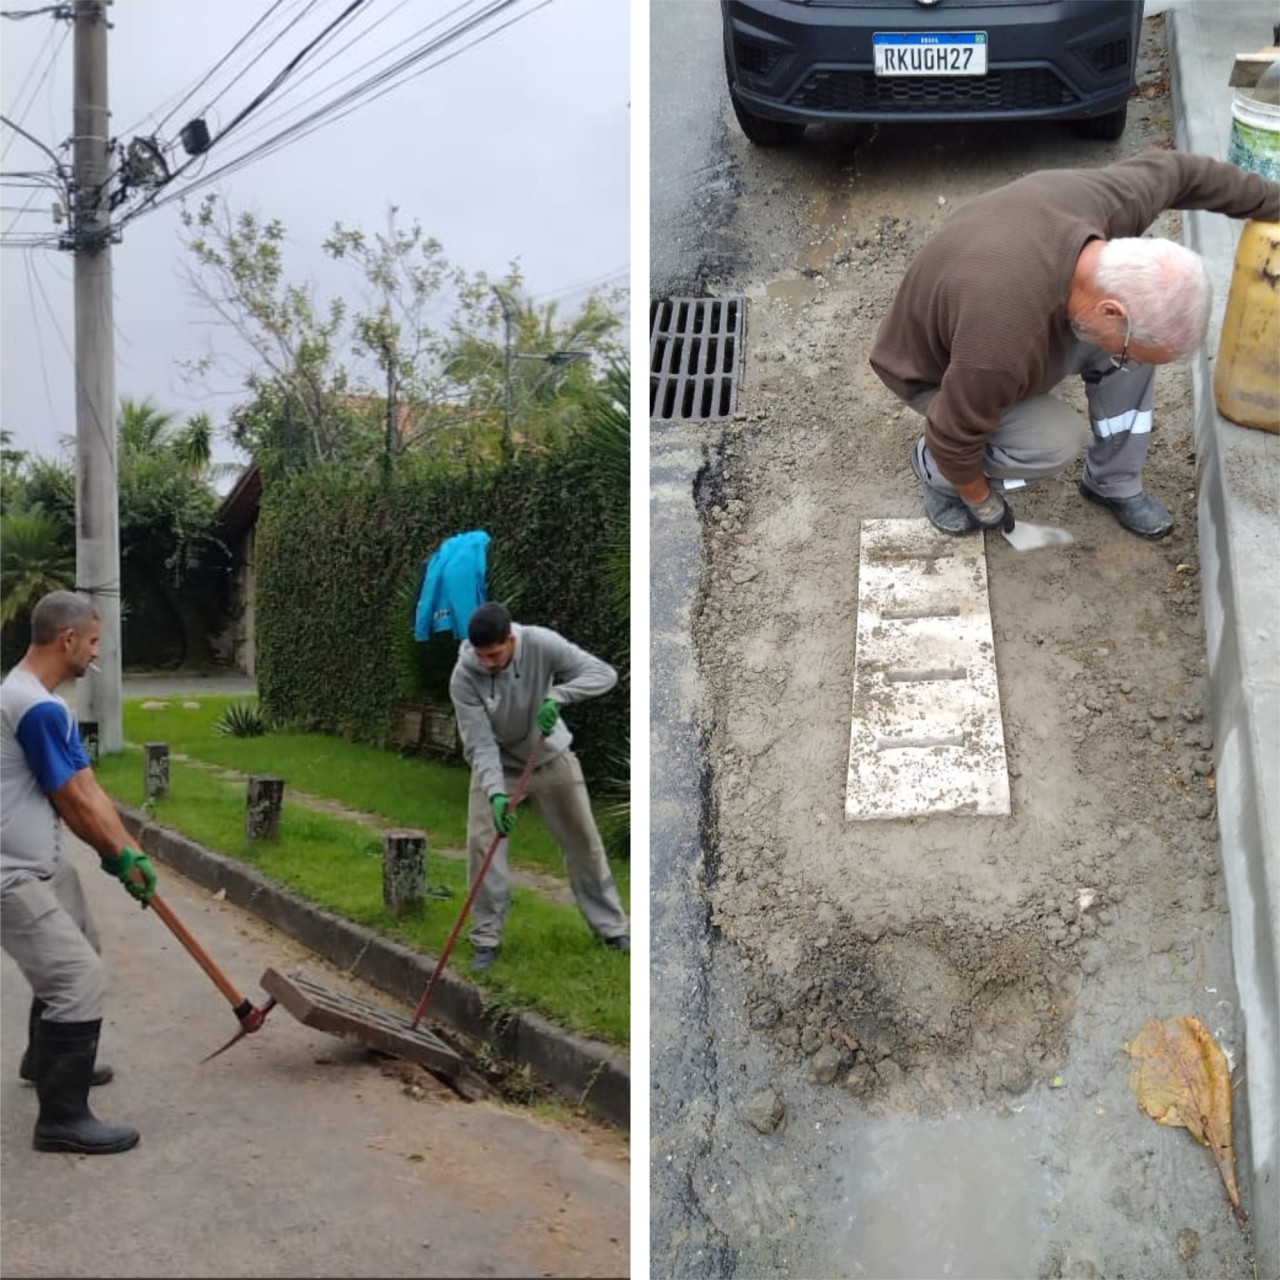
(1089, 496)
(79, 1148)
(30, 1081)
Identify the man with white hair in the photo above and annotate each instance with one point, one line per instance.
(1037, 280)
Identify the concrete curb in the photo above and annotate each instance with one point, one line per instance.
(1238, 487)
(585, 1072)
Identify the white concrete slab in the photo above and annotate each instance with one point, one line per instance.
(926, 736)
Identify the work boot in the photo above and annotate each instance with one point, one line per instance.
(620, 943)
(946, 511)
(29, 1066)
(1140, 514)
(482, 958)
(64, 1054)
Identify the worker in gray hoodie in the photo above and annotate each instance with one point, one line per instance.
(508, 686)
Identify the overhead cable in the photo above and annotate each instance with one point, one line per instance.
(384, 82)
(151, 200)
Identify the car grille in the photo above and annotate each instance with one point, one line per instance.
(1109, 56)
(1024, 88)
(755, 59)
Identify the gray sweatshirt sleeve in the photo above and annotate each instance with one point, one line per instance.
(479, 746)
(576, 674)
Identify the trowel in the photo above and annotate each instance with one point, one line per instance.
(1026, 536)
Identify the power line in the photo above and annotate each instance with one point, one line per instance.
(217, 66)
(595, 282)
(343, 17)
(17, 128)
(44, 372)
(352, 100)
(178, 99)
(151, 200)
(20, 112)
(58, 10)
(272, 121)
(262, 53)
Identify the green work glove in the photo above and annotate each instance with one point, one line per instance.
(548, 714)
(123, 865)
(504, 817)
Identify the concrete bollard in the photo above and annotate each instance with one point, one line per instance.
(156, 786)
(404, 871)
(89, 736)
(262, 811)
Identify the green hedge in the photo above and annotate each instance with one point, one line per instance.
(340, 559)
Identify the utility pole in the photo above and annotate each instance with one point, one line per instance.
(97, 505)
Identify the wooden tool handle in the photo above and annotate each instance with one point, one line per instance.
(198, 953)
(498, 837)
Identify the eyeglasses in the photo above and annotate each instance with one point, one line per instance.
(1121, 362)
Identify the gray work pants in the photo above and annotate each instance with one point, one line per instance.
(1041, 436)
(559, 793)
(45, 925)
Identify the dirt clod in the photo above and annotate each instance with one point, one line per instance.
(764, 1111)
(826, 1064)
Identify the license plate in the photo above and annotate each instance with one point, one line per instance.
(935, 53)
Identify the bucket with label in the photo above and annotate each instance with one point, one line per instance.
(1246, 376)
(1255, 126)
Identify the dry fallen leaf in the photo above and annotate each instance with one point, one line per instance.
(1181, 1077)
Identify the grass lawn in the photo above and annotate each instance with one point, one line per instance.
(549, 959)
(406, 791)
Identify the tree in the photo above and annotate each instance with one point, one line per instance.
(546, 398)
(174, 571)
(364, 381)
(34, 560)
(12, 462)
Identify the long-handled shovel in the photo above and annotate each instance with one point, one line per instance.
(475, 888)
(251, 1016)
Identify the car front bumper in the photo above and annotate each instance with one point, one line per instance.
(810, 62)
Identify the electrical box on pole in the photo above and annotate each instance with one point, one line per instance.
(97, 507)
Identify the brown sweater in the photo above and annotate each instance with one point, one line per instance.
(982, 310)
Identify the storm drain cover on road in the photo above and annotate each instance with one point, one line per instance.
(695, 351)
(927, 736)
(351, 1018)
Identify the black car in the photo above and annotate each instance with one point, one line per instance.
(791, 63)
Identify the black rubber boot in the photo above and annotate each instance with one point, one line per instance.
(27, 1068)
(65, 1053)
(1140, 514)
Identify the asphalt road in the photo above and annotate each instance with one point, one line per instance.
(293, 1154)
(690, 181)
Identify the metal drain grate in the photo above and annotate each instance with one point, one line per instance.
(695, 351)
(351, 1018)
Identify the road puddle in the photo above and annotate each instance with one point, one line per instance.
(792, 293)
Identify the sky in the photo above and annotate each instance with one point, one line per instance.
(515, 149)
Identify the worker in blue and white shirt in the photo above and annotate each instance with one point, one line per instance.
(46, 779)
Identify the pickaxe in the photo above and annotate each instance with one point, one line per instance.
(251, 1016)
(475, 888)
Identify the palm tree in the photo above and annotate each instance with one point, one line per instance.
(146, 431)
(34, 560)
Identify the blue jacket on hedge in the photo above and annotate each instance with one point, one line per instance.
(454, 586)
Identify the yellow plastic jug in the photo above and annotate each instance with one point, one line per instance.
(1246, 377)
